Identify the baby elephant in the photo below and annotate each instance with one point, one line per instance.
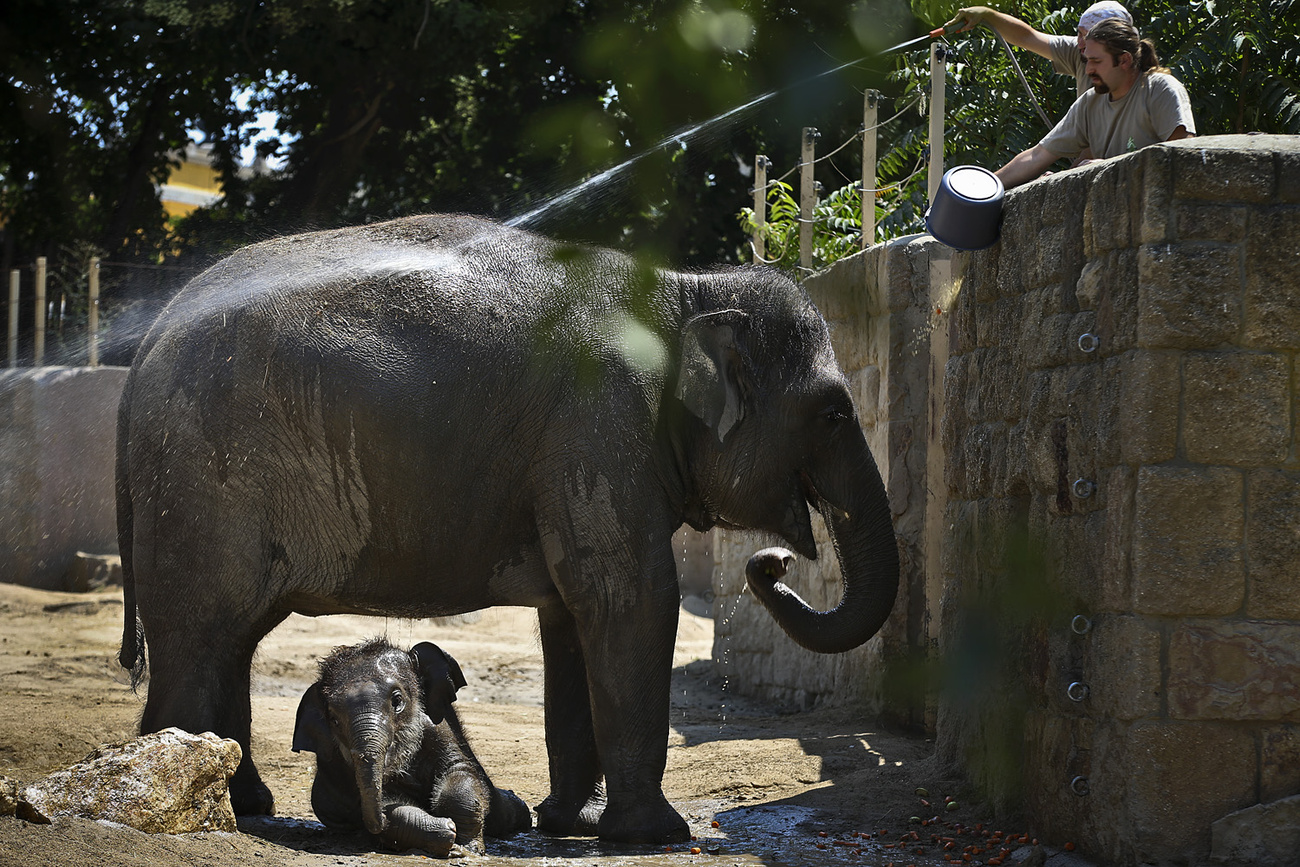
(391, 755)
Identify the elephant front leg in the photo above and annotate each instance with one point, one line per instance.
(577, 798)
(629, 677)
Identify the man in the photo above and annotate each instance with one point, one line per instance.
(1065, 52)
(1134, 102)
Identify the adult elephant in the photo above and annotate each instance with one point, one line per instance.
(439, 414)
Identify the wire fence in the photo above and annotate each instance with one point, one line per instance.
(868, 186)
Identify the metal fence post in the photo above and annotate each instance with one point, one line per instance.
(39, 351)
(807, 197)
(938, 78)
(869, 109)
(760, 207)
(92, 324)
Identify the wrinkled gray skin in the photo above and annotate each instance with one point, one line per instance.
(441, 414)
(391, 754)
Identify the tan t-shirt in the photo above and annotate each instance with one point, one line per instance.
(1149, 113)
(1067, 59)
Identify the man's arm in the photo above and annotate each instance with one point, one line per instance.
(1013, 30)
(1025, 166)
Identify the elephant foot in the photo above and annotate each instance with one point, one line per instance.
(509, 815)
(648, 820)
(568, 819)
(413, 828)
(249, 796)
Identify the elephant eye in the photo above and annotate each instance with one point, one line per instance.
(835, 414)
(399, 701)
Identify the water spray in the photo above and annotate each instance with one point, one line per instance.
(679, 138)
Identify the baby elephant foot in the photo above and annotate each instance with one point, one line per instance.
(569, 819)
(413, 828)
(652, 820)
(509, 815)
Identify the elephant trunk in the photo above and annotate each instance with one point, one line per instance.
(368, 763)
(862, 533)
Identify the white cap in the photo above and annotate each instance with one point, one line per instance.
(1099, 12)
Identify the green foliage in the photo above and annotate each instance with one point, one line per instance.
(837, 226)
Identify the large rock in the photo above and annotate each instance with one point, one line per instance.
(1265, 835)
(8, 796)
(171, 782)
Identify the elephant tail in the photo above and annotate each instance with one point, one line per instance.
(132, 654)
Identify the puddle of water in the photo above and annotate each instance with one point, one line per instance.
(771, 835)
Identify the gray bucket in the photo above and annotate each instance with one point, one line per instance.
(966, 213)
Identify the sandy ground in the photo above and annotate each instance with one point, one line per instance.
(783, 788)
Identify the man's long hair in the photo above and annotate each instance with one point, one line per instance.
(1119, 37)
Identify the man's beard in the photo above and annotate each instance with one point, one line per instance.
(1101, 86)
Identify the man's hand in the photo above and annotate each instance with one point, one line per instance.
(968, 18)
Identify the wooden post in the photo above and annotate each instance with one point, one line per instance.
(807, 197)
(92, 325)
(15, 280)
(869, 110)
(938, 80)
(760, 207)
(39, 352)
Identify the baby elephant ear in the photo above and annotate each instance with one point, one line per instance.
(712, 381)
(311, 732)
(440, 677)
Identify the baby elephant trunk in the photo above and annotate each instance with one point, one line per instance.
(369, 765)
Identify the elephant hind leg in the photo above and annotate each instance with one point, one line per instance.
(577, 798)
(199, 681)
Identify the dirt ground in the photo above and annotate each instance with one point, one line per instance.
(783, 788)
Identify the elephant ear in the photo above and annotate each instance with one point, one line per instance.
(711, 383)
(311, 731)
(440, 678)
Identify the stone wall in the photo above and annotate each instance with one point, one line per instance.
(57, 448)
(1115, 499)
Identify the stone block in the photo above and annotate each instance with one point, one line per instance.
(1085, 343)
(170, 782)
(848, 340)
(1272, 263)
(1181, 778)
(1111, 205)
(1288, 177)
(841, 292)
(1156, 197)
(1189, 295)
(1048, 254)
(93, 572)
(1223, 175)
(1147, 419)
(1087, 289)
(1235, 670)
(1117, 303)
(1114, 570)
(1273, 545)
(866, 394)
(1123, 669)
(1265, 835)
(1188, 540)
(1237, 408)
(1205, 221)
(1279, 756)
